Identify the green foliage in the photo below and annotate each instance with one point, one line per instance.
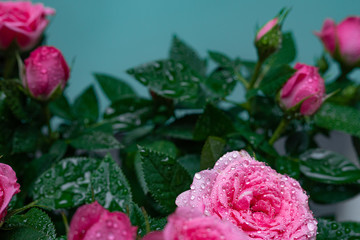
(113, 88)
(35, 224)
(164, 176)
(95, 140)
(181, 52)
(66, 184)
(211, 152)
(331, 230)
(328, 167)
(169, 78)
(213, 122)
(342, 118)
(110, 187)
(86, 106)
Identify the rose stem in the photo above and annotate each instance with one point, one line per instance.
(256, 74)
(10, 60)
(47, 115)
(65, 221)
(279, 130)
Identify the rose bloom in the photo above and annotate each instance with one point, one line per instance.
(22, 22)
(254, 197)
(342, 41)
(191, 224)
(92, 221)
(306, 84)
(8, 188)
(45, 72)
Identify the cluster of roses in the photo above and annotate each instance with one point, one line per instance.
(240, 198)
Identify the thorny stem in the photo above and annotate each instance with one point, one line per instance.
(65, 221)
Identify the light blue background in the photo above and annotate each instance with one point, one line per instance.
(111, 36)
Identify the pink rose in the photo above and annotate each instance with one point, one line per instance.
(191, 224)
(266, 28)
(24, 22)
(254, 197)
(8, 188)
(342, 41)
(45, 72)
(92, 221)
(306, 84)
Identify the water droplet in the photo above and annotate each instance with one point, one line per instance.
(197, 176)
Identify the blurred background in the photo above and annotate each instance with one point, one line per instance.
(113, 35)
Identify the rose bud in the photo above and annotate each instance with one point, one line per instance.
(92, 221)
(191, 224)
(305, 85)
(45, 73)
(268, 39)
(22, 22)
(254, 197)
(8, 188)
(342, 41)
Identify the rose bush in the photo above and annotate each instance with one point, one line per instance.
(22, 22)
(342, 41)
(8, 188)
(92, 221)
(254, 197)
(45, 72)
(305, 85)
(191, 224)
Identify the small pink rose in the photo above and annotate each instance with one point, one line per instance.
(254, 197)
(191, 224)
(8, 188)
(92, 221)
(306, 84)
(45, 71)
(22, 22)
(342, 41)
(266, 28)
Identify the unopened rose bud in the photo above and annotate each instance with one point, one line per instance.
(268, 39)
(305, 86)
(342, 41)
(45, 73)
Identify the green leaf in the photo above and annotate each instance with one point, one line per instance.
(332, 230)
(181, 52)
(297, 143)
(213, 122)
(211, 152)
(110, 186)
(287, 52)
(220, 59)
(330, 193)
(285, 165)
(342, 118)
(113, 88)
(129, 112)
(273, 81)
(169, 79)
(164, 176)
(60, 107)
(221, 82)
(25, 139)
(86, 106)
(66, 184)
(191, 163)
(328, 167)
(181, 128)
(14, 97)
(35, 224)
(95, 141)
(58, 149)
